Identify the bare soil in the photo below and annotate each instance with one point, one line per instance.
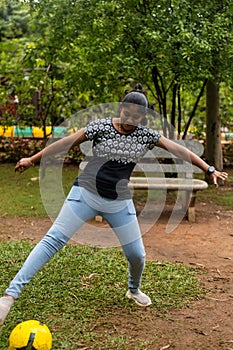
(206, 244)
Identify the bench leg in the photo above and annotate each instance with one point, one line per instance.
(191, 208)
(98, 218)
(188, 204)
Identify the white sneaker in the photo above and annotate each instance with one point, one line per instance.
(140, 298)
(5, 306)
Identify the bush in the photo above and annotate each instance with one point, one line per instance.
(14, 148)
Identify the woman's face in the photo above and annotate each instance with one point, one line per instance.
(131, 115)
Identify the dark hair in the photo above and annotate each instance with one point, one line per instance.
(136, 96)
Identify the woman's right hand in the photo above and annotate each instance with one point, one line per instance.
(23, 164)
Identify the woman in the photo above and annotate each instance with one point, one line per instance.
(118, 144)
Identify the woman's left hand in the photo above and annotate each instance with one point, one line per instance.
(23, 164)
(218, 175)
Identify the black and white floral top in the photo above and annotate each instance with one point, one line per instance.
(114, 157)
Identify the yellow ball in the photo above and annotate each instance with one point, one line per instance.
(30, 335)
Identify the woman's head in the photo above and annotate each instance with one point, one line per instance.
(133, 108)
(137, 97)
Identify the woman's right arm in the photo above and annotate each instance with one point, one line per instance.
(54, 148)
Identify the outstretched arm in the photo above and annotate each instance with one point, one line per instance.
(187, 155)
(56, 147)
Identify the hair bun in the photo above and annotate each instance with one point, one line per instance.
(138, 87)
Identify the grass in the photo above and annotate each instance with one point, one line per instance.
(20, 193)
(222, 196)
(80, 295)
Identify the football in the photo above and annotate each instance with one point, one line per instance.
(30, 335)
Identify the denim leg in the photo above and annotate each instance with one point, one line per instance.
(135, 254)
(39, 256)
(126, 227)
(71, 217)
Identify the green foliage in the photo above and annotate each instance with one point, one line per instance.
(158, 43)
(86, 52)
(14, 148)
(80, 294)
(14, 19)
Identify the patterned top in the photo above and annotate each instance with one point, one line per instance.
(114, 157)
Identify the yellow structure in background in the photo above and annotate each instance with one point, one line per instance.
(38, 132)
(33, 131)
(7, 131)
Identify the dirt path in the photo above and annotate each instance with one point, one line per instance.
(208, 244)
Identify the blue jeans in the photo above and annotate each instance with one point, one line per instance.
(80, 206)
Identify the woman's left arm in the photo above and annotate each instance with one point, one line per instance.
(187, 155)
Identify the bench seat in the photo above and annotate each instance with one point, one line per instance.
(170, 184)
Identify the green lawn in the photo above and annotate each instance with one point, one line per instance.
(20, 193)
(80, 292)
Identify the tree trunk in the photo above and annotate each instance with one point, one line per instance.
(192, 114)
(213, 126)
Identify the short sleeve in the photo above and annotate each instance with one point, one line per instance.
(152, 137)
(156, 136)
(92, 129)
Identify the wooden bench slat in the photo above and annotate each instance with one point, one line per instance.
(167, 168)
(156, 183)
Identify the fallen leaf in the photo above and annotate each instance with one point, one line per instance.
(165, 347)
(34, 178)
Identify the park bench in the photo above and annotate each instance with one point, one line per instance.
(160, 170)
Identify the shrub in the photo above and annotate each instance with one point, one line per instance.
(14, 148)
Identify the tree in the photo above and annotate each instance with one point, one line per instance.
(13, 26)
(13, 20)
(27, 69)
(100, 46)
(213, 127)
(218, 55)
(167, 44)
